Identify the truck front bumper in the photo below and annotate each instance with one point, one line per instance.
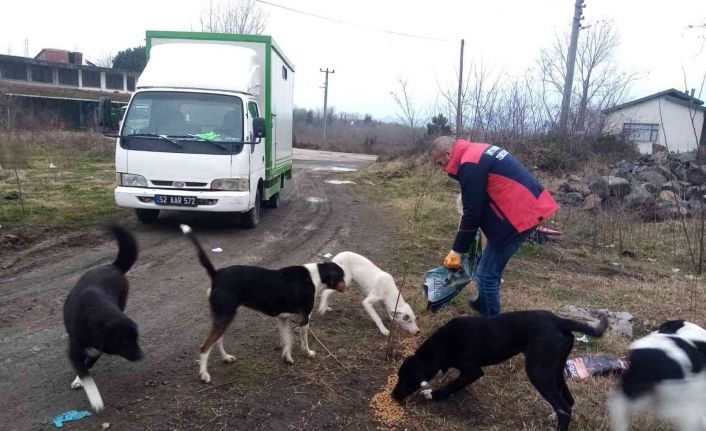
(208, 200)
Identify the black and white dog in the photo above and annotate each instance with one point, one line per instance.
(667, 377)
(94, 319)
(471, 343)
(278, 293)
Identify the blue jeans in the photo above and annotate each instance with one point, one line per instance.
(490, 272)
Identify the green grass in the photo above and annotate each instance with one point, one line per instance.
(587, 268)
(78, 190)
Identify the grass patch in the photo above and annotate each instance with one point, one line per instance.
(65, 178)
(607, 260)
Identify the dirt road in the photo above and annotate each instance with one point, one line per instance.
(168, 301)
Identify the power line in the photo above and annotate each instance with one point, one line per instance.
(381, 30)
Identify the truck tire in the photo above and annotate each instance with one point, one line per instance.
(252, 218)
(273, 202)
(147, 216)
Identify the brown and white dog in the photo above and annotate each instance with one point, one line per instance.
(279, 293)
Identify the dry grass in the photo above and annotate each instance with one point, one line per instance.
(65, 177)
(587, 268)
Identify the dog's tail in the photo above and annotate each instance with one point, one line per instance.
(127, 249)
(203, 258)
(594, 331)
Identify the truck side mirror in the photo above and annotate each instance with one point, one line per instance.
(258, 128)
(107, 117)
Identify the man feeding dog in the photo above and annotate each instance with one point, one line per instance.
(501, 198)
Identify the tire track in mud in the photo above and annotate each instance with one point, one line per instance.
(167, 300)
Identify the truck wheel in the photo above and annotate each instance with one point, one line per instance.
(252, 218)
(147, 216)
(274, 201)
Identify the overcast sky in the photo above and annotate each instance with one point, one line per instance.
(656, 42)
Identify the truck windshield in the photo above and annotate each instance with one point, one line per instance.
(175, 114)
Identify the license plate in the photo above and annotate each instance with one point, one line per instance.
(176, 201)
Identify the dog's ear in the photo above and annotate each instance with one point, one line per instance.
(671, 326)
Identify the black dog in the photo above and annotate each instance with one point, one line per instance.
(471, 343)
(277, 293)
(94, 319)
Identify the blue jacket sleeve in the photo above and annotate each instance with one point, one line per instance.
(474, 181)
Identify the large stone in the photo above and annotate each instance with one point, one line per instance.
(659, 157)
(650, 175)
(696, 175)
(572, 198)
(617, 186)
(666, 211)
(668, 196)
(665, 172)
(576, 187)
(695, 193)
(592, 202)
(689, 157)
(618, 322)
(640, 198)
(600, 187)
(672, 186)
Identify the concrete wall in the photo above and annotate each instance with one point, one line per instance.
(676, 131)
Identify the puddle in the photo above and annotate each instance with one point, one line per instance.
(339, 182)
(315, 200)
(334, 169)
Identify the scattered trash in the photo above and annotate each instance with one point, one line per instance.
(675, 270)
(368, 182)
(619, 322)
(217, 250)
(105, 426)
(337, 182)
(583, 339)
(315, 200)
(651, 259)
(583, 367)
(441, 285)
(71, 415)
(52, 166)
(328, 255)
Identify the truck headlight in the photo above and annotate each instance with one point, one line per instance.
(232, 184)
(132, 180)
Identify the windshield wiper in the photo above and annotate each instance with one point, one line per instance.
(200, 139)
(153, 136)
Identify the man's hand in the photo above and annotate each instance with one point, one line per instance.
(453, 260)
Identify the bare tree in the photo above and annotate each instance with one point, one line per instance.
(105, 60)
(599, 84)
(409, 113)
(233, 16)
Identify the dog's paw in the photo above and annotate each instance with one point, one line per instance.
(310, 353)
(385, 331)
(426, 393)
(76, 384)
(205, 377)
(288, 359)
(323, 310)
(229, 359)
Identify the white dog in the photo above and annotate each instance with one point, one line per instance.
(667, 377)
(378, 287)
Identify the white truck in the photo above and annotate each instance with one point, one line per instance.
(209, 127)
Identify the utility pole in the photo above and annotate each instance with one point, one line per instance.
(326, 99)
(460, 87)
(570, 63)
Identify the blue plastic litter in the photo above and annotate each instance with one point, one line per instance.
(71, 415)
(441, 285)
